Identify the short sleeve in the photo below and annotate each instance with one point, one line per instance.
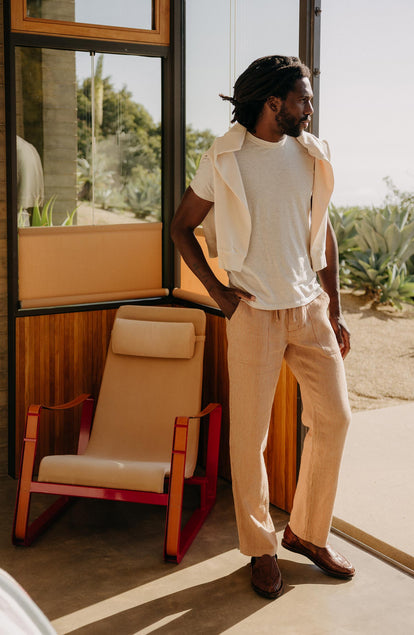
(327, 148)
(203, 181)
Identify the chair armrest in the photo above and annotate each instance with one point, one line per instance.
(214, 410)
(86, 418)
(69, 404)
(207, 410)
(33, 415)
(175, 543)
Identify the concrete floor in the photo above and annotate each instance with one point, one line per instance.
(99, 570)
(376, 486)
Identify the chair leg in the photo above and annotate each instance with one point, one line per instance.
(176, 489)
(178, 540)
(21, 515)
(23, 533)
(208, 484)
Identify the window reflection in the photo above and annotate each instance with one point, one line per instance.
(241, 35)
(135, 14)
(86, 120)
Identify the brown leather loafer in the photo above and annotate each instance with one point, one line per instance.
(266, 576)
(326, 558)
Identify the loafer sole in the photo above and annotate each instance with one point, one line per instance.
(270, 595)
(331, 572)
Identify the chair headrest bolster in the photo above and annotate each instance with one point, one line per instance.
(153, 339)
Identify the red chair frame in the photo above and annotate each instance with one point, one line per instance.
(177, 538)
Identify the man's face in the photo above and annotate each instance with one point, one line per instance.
(295, 111)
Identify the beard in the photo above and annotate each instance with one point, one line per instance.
(288, 124)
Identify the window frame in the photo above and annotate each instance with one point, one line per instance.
(159, 34)
(146, 50)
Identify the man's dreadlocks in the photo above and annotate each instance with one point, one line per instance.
(274, 75)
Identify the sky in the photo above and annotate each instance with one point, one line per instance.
(367, 96)
(119, 13)
(367, 80)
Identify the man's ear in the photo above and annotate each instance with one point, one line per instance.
(274, 103)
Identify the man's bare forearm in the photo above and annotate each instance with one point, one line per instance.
(329, 276)
(190, 214)
(193, 256)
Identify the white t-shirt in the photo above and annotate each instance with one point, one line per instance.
(278, 181)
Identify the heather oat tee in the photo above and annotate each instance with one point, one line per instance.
(278, 182)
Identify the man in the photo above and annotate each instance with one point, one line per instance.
(270, 183)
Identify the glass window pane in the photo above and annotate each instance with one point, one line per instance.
(135, 14)
(88, 126)
(367, 51)
(241, 35)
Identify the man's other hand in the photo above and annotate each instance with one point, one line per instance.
(342, 333)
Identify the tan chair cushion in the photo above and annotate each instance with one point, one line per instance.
(153, 373)
(153, 339)
(100, 472)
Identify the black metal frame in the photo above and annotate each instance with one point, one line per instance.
(309, 49)
(309, 53)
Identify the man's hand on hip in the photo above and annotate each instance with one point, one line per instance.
(228, 298)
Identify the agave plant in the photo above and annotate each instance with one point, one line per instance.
(344, 222)
(367, 271)
(397, 287)
(377, 257)
(43, 216)
(143, 193)
(385, 231)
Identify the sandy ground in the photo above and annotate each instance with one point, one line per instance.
(87, 215)
(380, 366)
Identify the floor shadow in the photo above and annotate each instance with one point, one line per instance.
(98, 549)
(217, 605)
(298, 573)
(214, 607)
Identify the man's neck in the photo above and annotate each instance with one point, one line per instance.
(268, 133)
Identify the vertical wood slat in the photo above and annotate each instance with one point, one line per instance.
(280, 453)
(58, 356)
(216, 385)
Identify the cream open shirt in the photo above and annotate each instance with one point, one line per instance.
(227, 226)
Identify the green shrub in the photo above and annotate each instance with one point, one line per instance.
(397, 287)
(376, 251)
(386, 231)
(344, 222)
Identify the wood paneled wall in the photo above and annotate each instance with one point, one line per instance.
(3, 262)
(60, 356)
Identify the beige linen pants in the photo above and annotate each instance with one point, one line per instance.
(257, 343)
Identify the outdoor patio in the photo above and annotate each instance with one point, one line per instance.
(99, 570)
